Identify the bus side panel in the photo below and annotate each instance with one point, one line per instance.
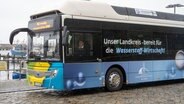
(148, 71)
(167, 70)
(140, 71)
(89, 75)
(82, 75)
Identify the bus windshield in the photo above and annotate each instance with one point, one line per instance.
(45, 46)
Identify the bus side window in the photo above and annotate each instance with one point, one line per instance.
(84, 47)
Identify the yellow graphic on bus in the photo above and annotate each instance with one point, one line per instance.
(35, 76)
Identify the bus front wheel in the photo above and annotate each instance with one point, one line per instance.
(114, 79)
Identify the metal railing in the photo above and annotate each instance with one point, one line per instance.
(9, 65)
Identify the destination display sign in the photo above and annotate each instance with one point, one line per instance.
(44, 24)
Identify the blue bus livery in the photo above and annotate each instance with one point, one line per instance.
(119, 45)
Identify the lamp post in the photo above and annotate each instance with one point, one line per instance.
(174, 6)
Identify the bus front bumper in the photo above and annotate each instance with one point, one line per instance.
(36, 78)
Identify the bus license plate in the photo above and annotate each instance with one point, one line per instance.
(37, 84)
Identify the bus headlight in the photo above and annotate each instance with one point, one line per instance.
(54, 72)
(51, 73)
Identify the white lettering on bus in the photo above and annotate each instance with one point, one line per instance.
(121, 42)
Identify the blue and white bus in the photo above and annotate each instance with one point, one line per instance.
(118, 46)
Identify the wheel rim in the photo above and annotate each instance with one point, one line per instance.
(114, 80)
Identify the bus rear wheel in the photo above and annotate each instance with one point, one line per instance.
(114, 79)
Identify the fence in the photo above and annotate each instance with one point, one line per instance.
(10, 65)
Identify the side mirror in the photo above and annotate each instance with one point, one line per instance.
(16, 31)
(65, 34)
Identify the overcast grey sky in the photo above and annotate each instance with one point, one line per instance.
(15, 13)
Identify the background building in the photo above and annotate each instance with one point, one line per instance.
(5, 49)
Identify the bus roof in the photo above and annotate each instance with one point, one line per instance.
(105, 11)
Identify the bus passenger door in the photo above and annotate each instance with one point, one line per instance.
(83, 61)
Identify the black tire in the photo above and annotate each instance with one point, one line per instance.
(114, 75)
